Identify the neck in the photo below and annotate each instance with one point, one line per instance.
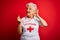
(30, 17)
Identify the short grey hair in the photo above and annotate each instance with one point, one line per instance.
(34, 5)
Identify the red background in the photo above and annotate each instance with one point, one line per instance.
(48, 9)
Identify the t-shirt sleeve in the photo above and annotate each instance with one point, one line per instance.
(37, 20)
(22, 22)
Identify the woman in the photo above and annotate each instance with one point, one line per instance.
(30, 23)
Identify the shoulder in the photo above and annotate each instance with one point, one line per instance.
(23, 18)
(37, 19)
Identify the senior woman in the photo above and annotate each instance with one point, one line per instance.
(28, 25)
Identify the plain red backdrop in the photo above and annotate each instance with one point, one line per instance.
(48, 9)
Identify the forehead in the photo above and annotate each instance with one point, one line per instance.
(30, 6)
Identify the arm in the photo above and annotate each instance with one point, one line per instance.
(42, 21)
(19, 25)
(20, 28)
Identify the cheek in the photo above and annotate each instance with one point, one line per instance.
(33, 11)
(34, 14)
(28, 14)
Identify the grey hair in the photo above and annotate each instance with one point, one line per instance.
(34, 5)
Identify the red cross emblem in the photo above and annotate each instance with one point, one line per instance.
(30, 29)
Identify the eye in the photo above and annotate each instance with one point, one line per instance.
(30, 8)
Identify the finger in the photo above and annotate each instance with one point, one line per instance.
(37, 11)
(18, 16)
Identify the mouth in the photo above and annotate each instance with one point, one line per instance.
(27, 12)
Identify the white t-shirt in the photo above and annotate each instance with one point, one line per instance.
(30, 28)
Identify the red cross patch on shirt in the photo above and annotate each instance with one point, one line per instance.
(30, 29)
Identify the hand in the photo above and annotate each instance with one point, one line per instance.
(18, 19)
(36, 14)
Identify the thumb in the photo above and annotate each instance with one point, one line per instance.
(18, 16)
(37, 11)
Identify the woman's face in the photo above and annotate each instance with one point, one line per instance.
(30, 11)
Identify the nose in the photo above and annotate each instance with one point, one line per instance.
(27, 10)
